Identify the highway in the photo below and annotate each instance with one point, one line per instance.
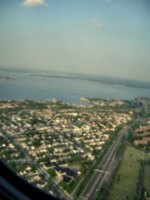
(104, 169)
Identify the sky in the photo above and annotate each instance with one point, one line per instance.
(102, 37)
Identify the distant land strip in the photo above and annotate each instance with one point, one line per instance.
(6, 78)
(110, 82)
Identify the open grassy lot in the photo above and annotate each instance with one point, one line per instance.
(147, 178)
(126, 180)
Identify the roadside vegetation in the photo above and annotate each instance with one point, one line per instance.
(127, 179)
(147, 178)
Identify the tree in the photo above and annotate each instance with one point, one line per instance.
(12, 165)
(51, 150)
(33, 167)
(51, 172)
(36, 143)
(21, 167)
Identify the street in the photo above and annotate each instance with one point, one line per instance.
(104, 169)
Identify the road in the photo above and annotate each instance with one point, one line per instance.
(104, 169)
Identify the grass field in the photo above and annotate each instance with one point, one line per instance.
(147, 179)
(125, 183)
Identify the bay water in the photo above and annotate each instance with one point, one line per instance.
(26, 86)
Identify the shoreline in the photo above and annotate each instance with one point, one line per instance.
(107, 82)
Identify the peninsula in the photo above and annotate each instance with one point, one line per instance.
(6, 78)
(118, 82)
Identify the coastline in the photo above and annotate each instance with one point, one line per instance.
(107, 81)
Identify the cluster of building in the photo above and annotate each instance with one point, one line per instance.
(142, 134)
(106, 102)
(52, 137)
(62, 170)
(14, 158)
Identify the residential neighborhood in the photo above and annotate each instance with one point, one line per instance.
(54, 143)
(142, 135)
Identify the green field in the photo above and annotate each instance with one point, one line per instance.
(147, 178)
(127, 177)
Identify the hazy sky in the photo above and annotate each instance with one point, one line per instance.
(105, 37)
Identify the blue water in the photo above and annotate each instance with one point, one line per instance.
(40, 88)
